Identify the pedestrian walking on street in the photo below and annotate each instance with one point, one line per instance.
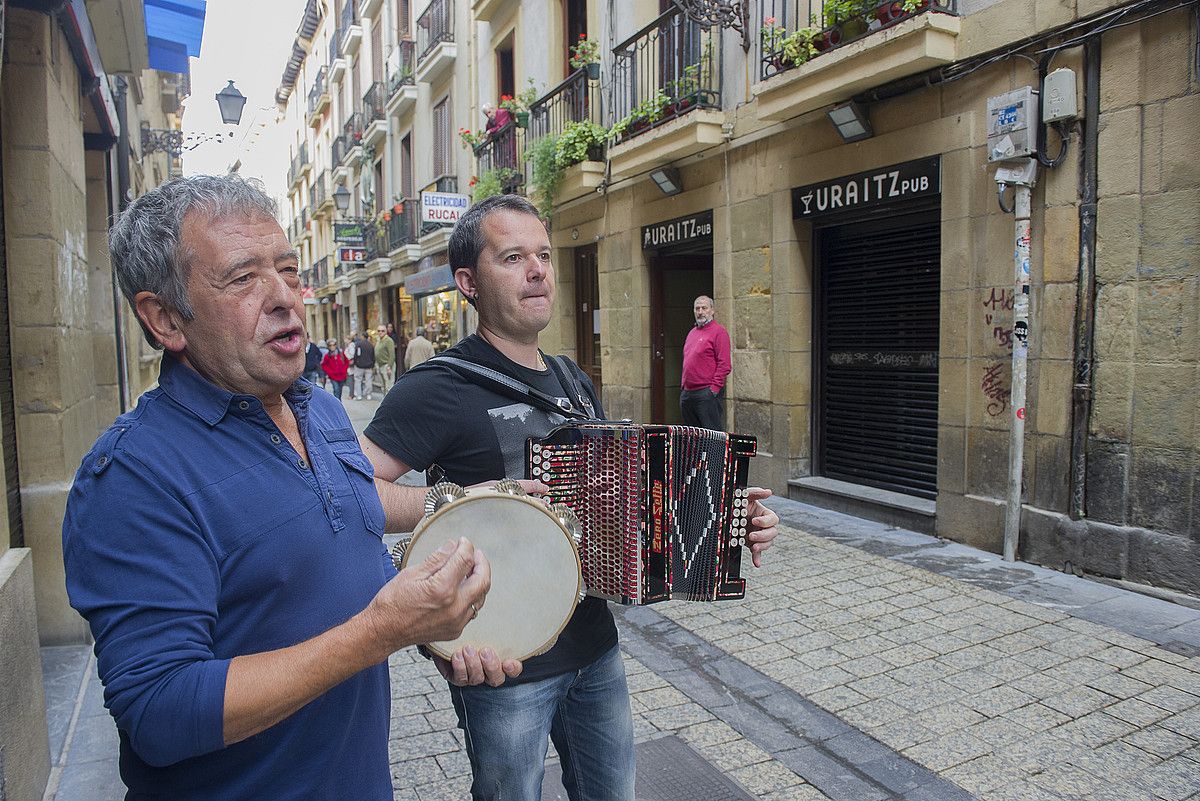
(312, 362)
(335, 366)
(241, 656)
(385, 359)
(364, 368)
(576, 693)
(419, 350)
(706, 365)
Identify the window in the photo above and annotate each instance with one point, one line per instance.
(441, 138)
(403, 26)
(406, 166)
(377, 51)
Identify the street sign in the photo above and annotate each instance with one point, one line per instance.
(443, 207)
(348, 233)
(352, 255)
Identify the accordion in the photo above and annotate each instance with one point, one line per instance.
(663, 509)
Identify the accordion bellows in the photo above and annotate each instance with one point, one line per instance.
(663, 508)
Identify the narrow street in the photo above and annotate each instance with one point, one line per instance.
(865, 663)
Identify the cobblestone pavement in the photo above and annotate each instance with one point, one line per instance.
(865, 663)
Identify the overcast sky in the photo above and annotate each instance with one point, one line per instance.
(248, 42)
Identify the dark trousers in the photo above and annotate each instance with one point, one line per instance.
(700, 407)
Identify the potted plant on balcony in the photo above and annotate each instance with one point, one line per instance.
(580, 141)
(643, 115)
(519, 104)
(545, 174)
(471, 139)
(490, 183)
(847, 17)
(771, 37)
(585, 54)
(798, 47)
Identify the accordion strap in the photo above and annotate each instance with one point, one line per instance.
(512, 387)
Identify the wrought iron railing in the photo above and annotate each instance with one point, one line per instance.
(401, 67)
(318, 89)
(576, 99)
(353, 129)
(668, 68)
(349, 18)
(795, 31)
(318, 192)
(335, 45)
(341, 146)
(373, 103)
(434, 26)
(503, 153)
(320, 272)
(398, 229)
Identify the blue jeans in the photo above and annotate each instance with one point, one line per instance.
(586, 714)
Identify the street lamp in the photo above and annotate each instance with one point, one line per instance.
(341, 198)
(230, 101)
(174, 142)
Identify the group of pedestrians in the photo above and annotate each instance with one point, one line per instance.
(357, 364)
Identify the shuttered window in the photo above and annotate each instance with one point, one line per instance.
(877, 359)
(441, 138)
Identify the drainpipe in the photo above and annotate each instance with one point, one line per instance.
(1085, 297)
(122, 155)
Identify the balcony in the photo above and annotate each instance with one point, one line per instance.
(324, 204)
(337, 64)
(503, 153)
(375, 114)
(576, 99)
(351, 29)
(803, 69)
(667, 94)
(367, 8)
(318, 99)
(340, 172)
(402, 84)
(435, 41)
(300, 165)
(320, 273)
(352, 132)
(399, 230)
(305, 227)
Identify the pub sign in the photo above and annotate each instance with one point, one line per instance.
(912, 179)
(679, 231)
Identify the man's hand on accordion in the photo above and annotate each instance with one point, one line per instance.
(763, 524)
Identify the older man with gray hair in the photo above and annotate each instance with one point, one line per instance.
(223, 539)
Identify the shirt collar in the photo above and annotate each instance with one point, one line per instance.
(205, 399)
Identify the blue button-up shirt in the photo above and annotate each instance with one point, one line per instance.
(194, 533)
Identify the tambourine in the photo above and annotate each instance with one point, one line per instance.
(533, 549)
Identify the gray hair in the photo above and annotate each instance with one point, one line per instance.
(420, 330)
(145, 244)
(467, 240)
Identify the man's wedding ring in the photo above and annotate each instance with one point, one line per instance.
(474, 611)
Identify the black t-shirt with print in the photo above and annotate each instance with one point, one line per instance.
(433, 415)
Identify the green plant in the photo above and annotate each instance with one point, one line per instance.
(584, 52)
(471, 139)
(576, 140)
(545, 174)
(836, 12)
(522, 100)
(491, 183)
(649, 110)
(800, 46)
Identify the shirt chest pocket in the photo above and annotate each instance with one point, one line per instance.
(356, 482)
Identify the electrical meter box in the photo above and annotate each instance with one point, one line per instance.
(1058, 96)
(1012, 124)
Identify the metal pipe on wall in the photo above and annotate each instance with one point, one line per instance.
(1085, 292)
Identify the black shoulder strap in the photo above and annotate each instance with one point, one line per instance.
(566, 377)
(507, 385)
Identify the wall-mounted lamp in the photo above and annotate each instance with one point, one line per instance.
(667, 179)
(851, 121)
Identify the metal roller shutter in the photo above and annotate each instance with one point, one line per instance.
(877, 370)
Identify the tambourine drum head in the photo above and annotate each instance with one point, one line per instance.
(535, 571)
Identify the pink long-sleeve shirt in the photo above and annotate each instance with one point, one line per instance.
(706, 357)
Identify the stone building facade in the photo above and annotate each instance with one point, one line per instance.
(872, 322)
(76, 88)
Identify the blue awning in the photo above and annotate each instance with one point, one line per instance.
(174, 29)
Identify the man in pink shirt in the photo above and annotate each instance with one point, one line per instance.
(706, 365)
